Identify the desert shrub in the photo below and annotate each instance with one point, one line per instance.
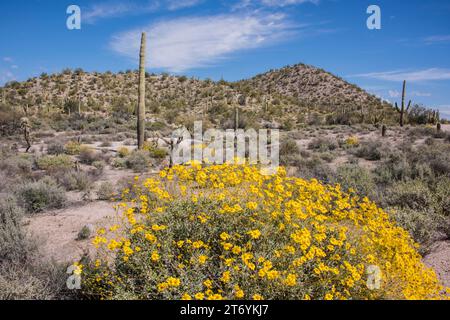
(314, 168)
(106, 191)
(441, 193)
(357, 178)
(123, 152)
(88, 155)
(41, 195)
(138, 161)
(158, 153)
(85, 232)
(422, 225)
(55, 163)
(352, 141)
(17, 165)
(72, 147)
(230, 232)
(99, 167)
(289, 147)
(33, 281)
(413, 194)
(322, 144)
(55, 148)
(370, 150)
(13, 244)
(74, 180)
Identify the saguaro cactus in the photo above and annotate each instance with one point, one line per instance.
(141, 103)
(438, 127)
(25, 124)
(402, 111)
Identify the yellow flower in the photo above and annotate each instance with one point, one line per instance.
(162, 286)
(225, 277)
(202, 259)
(186, 297)
(236, 250)
(155, 256)
(227, 246)
(291, 280)
(173, 282)
(208, 283)
(252, 205)
(255, 234)
(224, 236)
(257, 297)
(199, 296)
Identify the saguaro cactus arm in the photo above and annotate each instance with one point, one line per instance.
(141, 93)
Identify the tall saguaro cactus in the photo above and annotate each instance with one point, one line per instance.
(402, 111)
(141, 103)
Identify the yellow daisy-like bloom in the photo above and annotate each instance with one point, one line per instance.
(197, 215)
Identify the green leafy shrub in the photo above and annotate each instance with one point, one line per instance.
(55, 163)
(357, 178)
(422, 225)
(138, 161)
(413, 194)
(38, 196)
(323, 144)
(370, 150)
(72, 148)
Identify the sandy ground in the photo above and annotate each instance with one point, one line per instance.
(56, 232)
(439, 260)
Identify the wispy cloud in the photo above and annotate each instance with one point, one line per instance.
(7, 59)
(412, 76)
(444, 111)
(241, 4)
(185, 43)
(437, 39)
(283, 3)
(6, 76)
(117, 9)
(181, 4)
(394, 93)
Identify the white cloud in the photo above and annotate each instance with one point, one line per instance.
(116, 9)
(394, 94)
(283, 3)
(181, 4)
(185, 43)
(6, 76)
(421, 94)
(437, 39)
(444, 111)
(412, 76)
(7, 59)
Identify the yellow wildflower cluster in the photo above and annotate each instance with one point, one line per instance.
(230, 232)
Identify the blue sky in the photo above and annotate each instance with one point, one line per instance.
(237, 39)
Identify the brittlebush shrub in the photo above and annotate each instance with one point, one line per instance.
(230, 232)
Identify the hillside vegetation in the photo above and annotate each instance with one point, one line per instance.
(283, 98)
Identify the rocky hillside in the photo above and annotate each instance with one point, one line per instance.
(287, 97)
